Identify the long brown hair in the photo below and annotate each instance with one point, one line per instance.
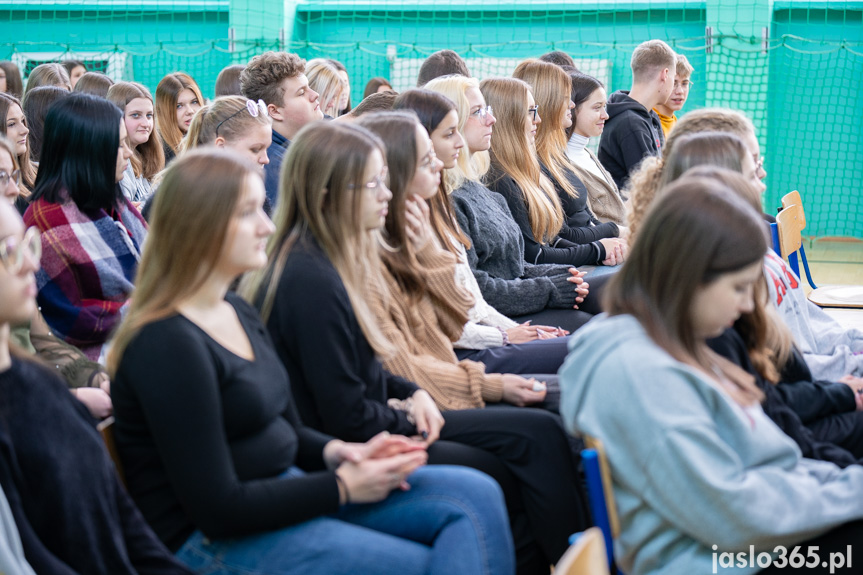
(398, 130)
(27, 167)
(767, 338)
(148, 159)
(188, 230)
(551, 90)
(512, 154)
(14, 85)
(167, 95)
(431, 108)
(48, 74)
(644, 182)
(722, 235)
(320, 194)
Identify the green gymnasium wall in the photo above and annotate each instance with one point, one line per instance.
(795, 67)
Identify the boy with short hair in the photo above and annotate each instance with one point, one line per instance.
(279, 79)
(633, 130)
(679, 94)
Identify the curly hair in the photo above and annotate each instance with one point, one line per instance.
(644, 182)
(262, 79)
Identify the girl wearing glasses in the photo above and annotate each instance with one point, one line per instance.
(148, 157)
(91, 235)
(178, 97)
(15, 128)
(225, 471)
(543, 294)
(72, 513)
(596, 243)
(489, 336)
(322, 295)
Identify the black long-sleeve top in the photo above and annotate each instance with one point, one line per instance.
(810, 399)
(340, 386)
(732, 347)
(70, 509)
(558, 250)
(580, 226)
(205, 435)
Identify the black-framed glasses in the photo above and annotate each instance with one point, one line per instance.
(481, 114)
(377, 183)
(255, 109)
(5, 176)
(12, 252)
(534, 110)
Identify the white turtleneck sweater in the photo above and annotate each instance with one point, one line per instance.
(576, 151)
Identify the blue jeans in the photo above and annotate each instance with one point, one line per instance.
(452, 520)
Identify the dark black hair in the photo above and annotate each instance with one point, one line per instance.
(430, 107)
(583, 85)
(79, 153)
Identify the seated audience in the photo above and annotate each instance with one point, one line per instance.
(50, 74)
(679, 94)
(36, 105)
(15, 130)
(345, 99)
(94, 83)
(324, 79)
(75, 69)
(544, 294)
(225, 472)
(441, 63)
(377, 85)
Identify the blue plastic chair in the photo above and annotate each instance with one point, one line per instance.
(602, 505)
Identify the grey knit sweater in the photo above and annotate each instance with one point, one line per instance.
(496, 256)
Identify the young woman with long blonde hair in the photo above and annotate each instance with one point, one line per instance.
(550, 88)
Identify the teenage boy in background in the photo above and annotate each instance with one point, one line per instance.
(679, 94)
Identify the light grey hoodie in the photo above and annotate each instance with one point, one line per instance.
(692, 469)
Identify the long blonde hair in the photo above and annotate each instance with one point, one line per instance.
(473, 165)
(167, 95)
(513, 155)
(551, 90)
(647, 178)
(188, 230)
(320, 194)
(148, 159)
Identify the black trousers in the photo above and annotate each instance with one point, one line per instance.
(539, 356)
(844, 430)
(527, 451)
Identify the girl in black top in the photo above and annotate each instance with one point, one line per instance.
(210, 440)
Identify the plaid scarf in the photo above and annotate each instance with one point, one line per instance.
(88, 265)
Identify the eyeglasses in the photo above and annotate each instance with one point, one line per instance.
(255, 109)
(12, 253)
(428, 160)
(379, 182)
(686, 84)
(5, 176)
(534, 110)
(482, 114)
(759, 162)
